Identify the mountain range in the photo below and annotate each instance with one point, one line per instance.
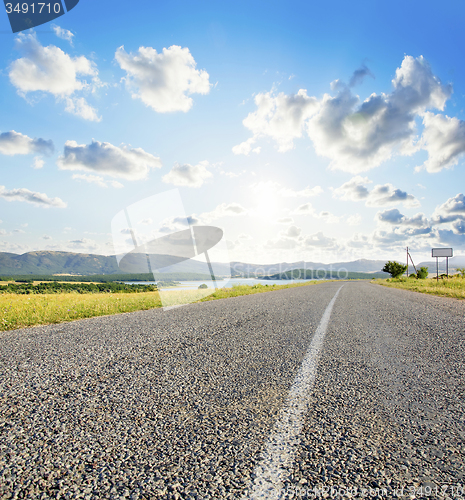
(48, 262)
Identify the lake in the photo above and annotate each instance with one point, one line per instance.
(227, 283)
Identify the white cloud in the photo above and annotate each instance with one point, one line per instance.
(281, 117)
(444, 140)
(244, 148)
(380, 195)
(79, 106)
(451, 210)
(188, 175)
(356, 136)
(359, 136)
(38, 163)
(146, 222)
(49, 69)
(292, 232)
(46, 237)
(96, 179)
(163, 81)
(15, 143)
(28, 196)
(63, 33)
(104, 158)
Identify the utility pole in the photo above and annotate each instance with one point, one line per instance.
(407, 264)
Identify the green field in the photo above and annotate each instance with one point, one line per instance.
(445, 287)
(23, 310)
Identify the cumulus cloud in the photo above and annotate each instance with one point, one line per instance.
(380, 195)
(280, 117)
(355, 135)
(49, 69)
(444, 140)
(39, 199)
(38, 163)
(244, 148)
(96, 179)
(451, 210)
(292, 232)
(104, 158)
(359, 136)
(63, 33)
(449, 237)
(15, 143)
(188, 175)
(163, 81)
(80, 107)
(393, 216)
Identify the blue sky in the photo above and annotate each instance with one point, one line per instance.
(305, 131)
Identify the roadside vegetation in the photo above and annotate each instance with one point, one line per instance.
(58, 287)
(453, 286)
(19, 310)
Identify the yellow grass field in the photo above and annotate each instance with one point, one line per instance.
(452, 287)
(18, 311)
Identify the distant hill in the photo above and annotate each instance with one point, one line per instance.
(310, 274)
(47, 262)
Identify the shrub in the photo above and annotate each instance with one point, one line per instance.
(461, 270)
(395, 269)
(203, 285)
(422, 273)
(412, 275)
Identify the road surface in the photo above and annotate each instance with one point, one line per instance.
(309, 392)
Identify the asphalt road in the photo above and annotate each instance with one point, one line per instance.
(183, 403)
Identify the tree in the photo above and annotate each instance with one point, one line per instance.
(395, 269)
(203, 285)
(422, 273)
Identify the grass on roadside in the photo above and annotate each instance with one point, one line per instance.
(19, 311)
(447, 287)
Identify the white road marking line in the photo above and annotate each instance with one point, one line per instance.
(278, 456)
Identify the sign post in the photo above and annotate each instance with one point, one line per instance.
(442, 252)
